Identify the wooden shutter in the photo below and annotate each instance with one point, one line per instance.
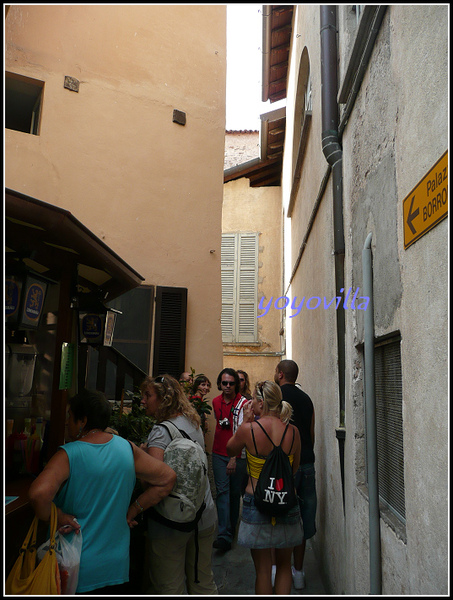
(170, 331)
(247, 287)
(228, 269)
(239, 265)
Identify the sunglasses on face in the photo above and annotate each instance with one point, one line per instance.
(231, 383)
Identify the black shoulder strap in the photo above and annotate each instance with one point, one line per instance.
(294, 431)
(281, 441)
(253, 438)
(292, 442)
(284, 433)
(265, 433)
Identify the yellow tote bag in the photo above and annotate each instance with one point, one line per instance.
(28, 579)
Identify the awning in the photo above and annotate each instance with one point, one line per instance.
(49, 240)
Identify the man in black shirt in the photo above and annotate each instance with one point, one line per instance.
(303, 417)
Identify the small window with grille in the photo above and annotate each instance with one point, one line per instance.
(389, 416)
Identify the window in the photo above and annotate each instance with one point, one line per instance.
(389, 415)
(302, 121)
(23, 100)
(133, 328)
(239, 287)
(133, 335)
(303, 104)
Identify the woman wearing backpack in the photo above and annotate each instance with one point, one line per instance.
(178, 560)
(257, 530)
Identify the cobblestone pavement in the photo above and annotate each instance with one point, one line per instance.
(234, 573)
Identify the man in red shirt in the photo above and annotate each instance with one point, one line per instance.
(224, 468)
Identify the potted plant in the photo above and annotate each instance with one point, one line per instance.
(131, 422)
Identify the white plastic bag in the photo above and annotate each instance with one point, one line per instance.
(68, 550)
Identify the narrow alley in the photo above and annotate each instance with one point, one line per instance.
(151, 232)
(235, 574)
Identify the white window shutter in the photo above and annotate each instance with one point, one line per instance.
(228, 263)
(239, 265)
(248, 260)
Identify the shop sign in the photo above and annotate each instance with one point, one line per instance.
(33, 294)
(13, 287)
(91, 327)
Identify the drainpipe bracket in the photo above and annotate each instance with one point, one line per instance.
(340, 433)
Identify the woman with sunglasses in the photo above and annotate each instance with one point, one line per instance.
(258, 531)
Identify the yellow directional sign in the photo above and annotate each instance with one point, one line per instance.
(427, 203)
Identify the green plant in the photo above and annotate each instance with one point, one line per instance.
(131, 423)
(187, 384)
(203, 409)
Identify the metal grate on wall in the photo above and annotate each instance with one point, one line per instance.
(389, 416)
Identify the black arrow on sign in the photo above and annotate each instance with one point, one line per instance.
(411, 216)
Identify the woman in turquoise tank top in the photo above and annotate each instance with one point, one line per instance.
(91, 481)
(257, 531)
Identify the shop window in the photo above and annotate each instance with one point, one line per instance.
(133, 328)
(389, 416)
(166, 307)
(239, 287)
(23, 102)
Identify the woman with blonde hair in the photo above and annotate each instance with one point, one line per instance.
(173, 554)
(258, 531)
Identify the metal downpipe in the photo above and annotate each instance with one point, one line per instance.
(334, 155)
(370, 423)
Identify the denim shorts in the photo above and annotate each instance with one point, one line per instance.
(306, 491)
(256, 529)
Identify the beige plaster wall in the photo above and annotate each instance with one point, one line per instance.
(151, 189)
(388, 147)
(258, 209)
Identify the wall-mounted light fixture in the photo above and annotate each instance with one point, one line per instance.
(97, 323)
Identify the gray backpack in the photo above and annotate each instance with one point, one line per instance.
(183, 507)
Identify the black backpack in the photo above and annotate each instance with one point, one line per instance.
(275, 493)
